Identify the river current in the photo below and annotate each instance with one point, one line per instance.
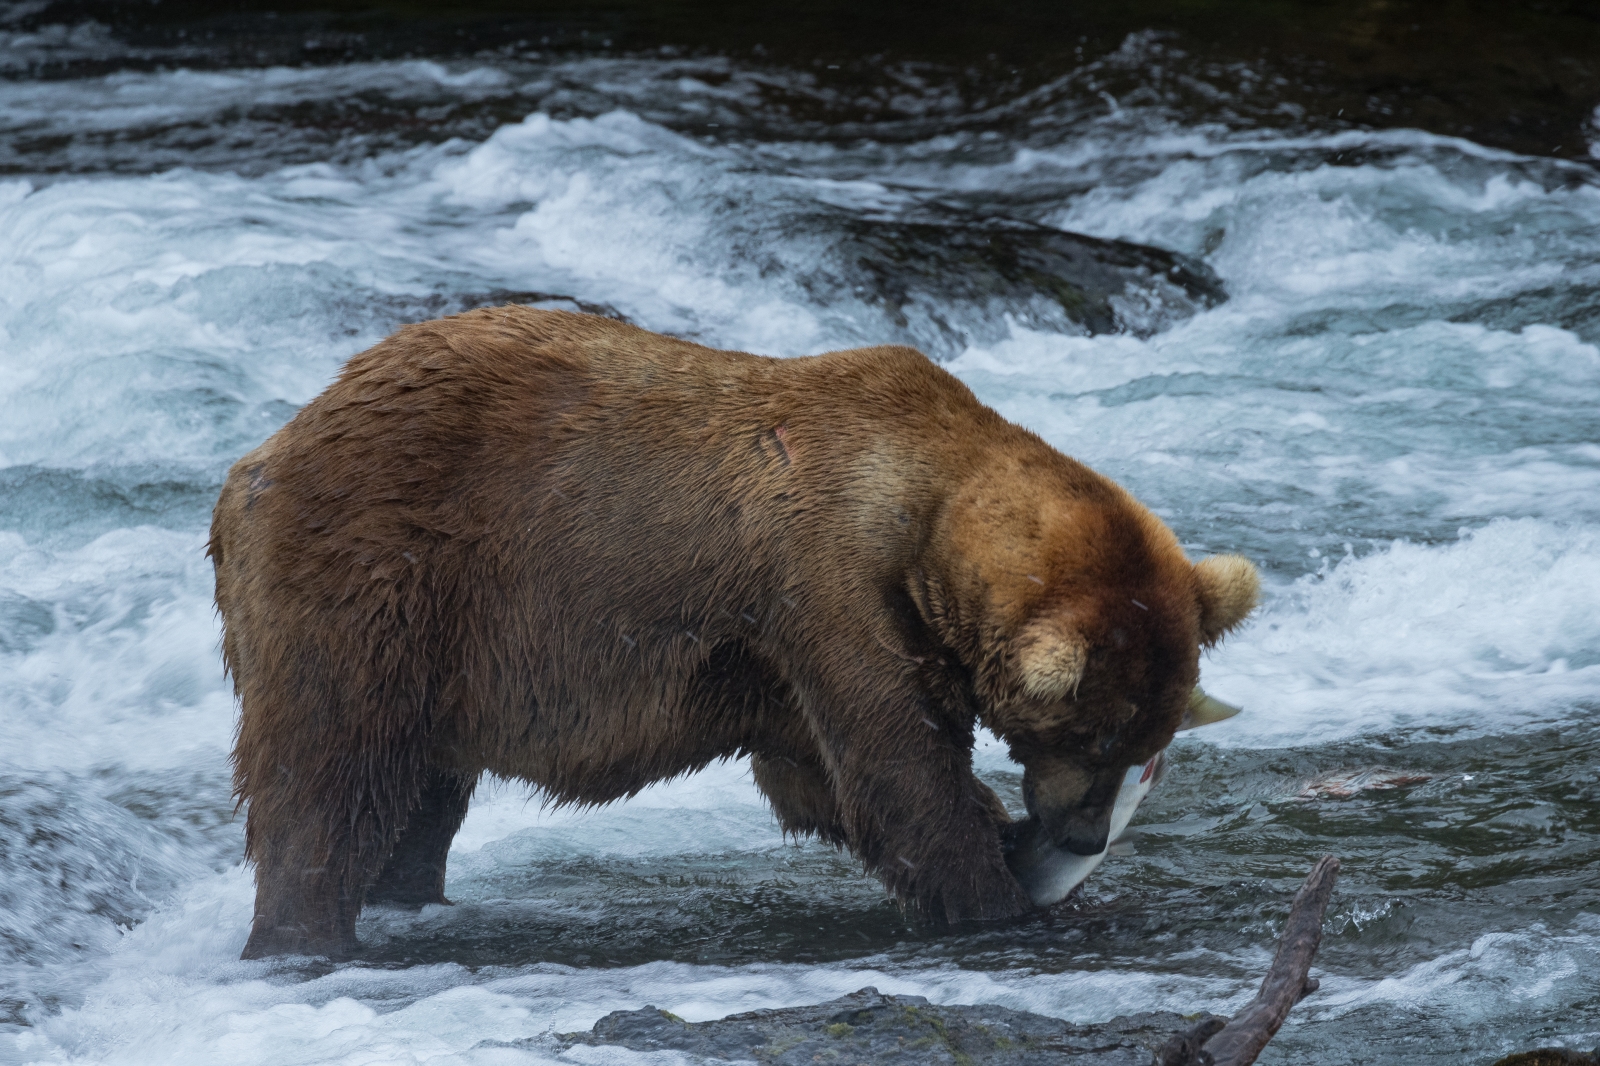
(1394, 413)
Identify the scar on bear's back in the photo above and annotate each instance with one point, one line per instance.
(774, 444)
(259, 483)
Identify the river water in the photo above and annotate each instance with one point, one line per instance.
(1393, 413)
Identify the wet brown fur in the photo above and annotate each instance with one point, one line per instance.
(572, 552)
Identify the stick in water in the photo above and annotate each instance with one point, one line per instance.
(1247, 1032)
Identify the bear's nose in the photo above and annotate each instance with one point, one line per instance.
(1088, 837)
(1088, 832)
(1073, 808)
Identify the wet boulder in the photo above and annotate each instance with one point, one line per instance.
(868, 1026)
(946, 284)
(940, 285)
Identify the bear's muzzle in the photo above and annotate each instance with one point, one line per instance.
(1072, 802)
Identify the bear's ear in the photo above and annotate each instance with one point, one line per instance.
(1051, 655)
(1229, 587)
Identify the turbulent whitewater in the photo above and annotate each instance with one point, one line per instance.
(1393, 413)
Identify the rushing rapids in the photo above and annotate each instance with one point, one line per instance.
(1375, 371)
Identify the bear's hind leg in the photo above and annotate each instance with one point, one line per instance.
(309, 877)
(413, 875)
(323, 818)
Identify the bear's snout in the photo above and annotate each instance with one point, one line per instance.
(1072, 803)
(1083, 832)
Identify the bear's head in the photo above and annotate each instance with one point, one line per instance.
(1099, 681)
(1083, 622)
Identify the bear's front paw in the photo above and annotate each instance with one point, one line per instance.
(988, 896)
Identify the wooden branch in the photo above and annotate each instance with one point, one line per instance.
(1242, 1039)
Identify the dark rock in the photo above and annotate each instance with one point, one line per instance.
(869, 1027)
(1551, 1056)
(929, 276)
(943, 285)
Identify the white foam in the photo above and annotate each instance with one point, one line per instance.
(661, 218)
(152, 295)
(119, 318)
(1496, 981)
(173, 97)
(1199, 422)
(1414, 231)
(1487, 635)
(128, 677)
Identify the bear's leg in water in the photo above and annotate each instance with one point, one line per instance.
(327, 795)
(308, 876)
(314, 856)
(413, 876)
(911, 807)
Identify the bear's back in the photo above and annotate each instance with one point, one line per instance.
(458, 431)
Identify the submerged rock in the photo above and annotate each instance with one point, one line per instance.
(947, 285)
(1346, 784)
(870, 1027)
(943, 285)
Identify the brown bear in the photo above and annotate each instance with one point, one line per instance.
(573, 552)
